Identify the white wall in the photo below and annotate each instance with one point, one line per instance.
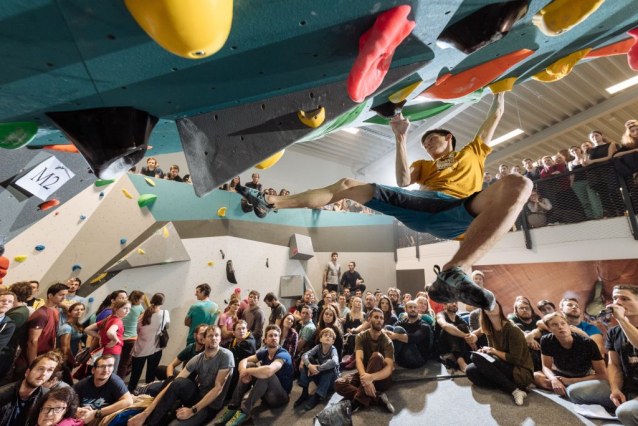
(377, 269)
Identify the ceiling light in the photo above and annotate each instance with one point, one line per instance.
(420, 100)
(623, 85)
(506, 136)
(352, 130)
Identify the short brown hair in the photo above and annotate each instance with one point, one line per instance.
(329, 331)
(239, 322)
(254, 292)
(51, 355)
(213, 328)
(270, 297)
(102, 358)
(547, 318)
(567, 299)
(545, 302)
(628, 287)
(440, 132)
(22, 290)
(272, 327)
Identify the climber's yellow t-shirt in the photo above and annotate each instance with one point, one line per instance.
(459, 174)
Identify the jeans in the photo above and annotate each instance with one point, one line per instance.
(269, 389)
(325, 381)
(598, 392)
(406, 355)
(125, 359)
(138, 366)
(351, 388)
(486, 374)
(589, 199)
(181, 389)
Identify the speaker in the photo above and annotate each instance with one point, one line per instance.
(301, 247)
(291, 285)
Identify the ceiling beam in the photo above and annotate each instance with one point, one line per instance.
(619, 101)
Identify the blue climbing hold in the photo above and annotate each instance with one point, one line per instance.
(91, 300)
(76, 267)
(101, 194)
(123, 241)
(82, 217)
(40, 247)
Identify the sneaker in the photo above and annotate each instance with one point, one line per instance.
(257, 199)
(239, 418)
(303, 398)
(383, 398)
(455, 285)
(519, 396)
(228, 414)
(312, 402)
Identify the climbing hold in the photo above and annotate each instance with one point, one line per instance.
(269, 162)
(57, 213)
(149, 181)
(165, 232)
(632, 54)
(123, 241)
(454, 86)
(618, 48)
(237, 290)
(1, 245)
(140, 251)
(230, 272)
(389, 109)
(20, 258)
(146, 199)
(376, 48)
(18, 134)
(76, 267)
(96, 279)
(82, 217)
(111, 140)
(313, 118)
(223, 255)
(221, 212)
(127, 194)
(62, 148)
(102, 182)
(4, 265)
(91, 300)
(403, 94)
(192, 29)
(504, 85)
(49, 204)
(267, 263)
(415, 113)
(40, 247)
(210, 263)
(561, 68)
(246, 207)
(561, 16)
(101, 194)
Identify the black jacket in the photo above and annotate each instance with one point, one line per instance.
(9, 399)
(243, 350)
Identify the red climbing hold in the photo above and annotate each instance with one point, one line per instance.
(618, 48)
(632, 55)
(49, 204)
(376, 48)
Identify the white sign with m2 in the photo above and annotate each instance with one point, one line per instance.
(46, 178)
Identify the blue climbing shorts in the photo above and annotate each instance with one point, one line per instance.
(433, 212)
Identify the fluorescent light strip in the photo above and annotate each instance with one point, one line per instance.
(506, 136)
(352, 130)
(623, 85)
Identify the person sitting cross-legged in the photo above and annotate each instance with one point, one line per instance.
(411, 337)
(568, 357)
(452, 334)
(320, 365)
(200, 400)
(374, 354)
(271, 382)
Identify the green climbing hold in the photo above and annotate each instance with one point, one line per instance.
(17, 134)
(102, 182)
(146, 199)
(414, 113)
(340, 122)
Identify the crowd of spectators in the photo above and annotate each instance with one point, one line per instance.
(152, 169)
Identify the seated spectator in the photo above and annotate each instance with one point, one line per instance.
(152, 169)
(370, 302)
(324, 293)
(231, 185)
(17, 400)
(505, 363)
(200, 400)
(272, 381)
(620, 393)
(344, 310)
(182, 358)
(568, 357)
(57, 407)
(451, 333)
(411, 337)
(394, 294)
(103, 393)
(110, 331)
(374, 354)
(377, 296)
(277, 310)
(354, 319)
(308, 300)
(436, 307)
(329, 319)
(7, 326)
(348, 294)
(321, 366)
(571, 310)
(546, 307)
(426, 314)
(359, 293)
(526, 319)
(307, 331)
(242, 346)
(289, 336)
(537, 210)
(56, 381)
(254, 183)
(254, 317)
(227, 321)
(389, 317)
(173, 174)
(406, 297)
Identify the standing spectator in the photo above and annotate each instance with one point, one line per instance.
(531, 172)
(72, 297)
(289, 336)
(284, 192)
(230, 186)
(130, 332)
(205, 311)
(33, 302)
(227, 321)
(505, 363)
(321, 366)
(173, 174)
(599, 178)
(254, 183)
(254, 317)
(411, 337)
(516, 170)
(18, 399)
(19, 314)
(452, 334)
(586, 195)
(111, 331)
(277, 310)
(57, 408)
(537, 210)
(106, 308)
(503, 170)
(152, 169)
(332, 273)
(7, 326)
(147, 349)
(70, 334)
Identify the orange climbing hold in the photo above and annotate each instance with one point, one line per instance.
(450, 86)
(62, 148)
(49, 204)
(618, 48)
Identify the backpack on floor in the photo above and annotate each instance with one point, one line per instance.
(338, 414)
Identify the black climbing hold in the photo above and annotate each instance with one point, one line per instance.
(111, 140)
(230, 272)
(267, 263)
(1, 245)
(389, 109)
(223, 255)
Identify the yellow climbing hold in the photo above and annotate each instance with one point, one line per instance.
(269, 162)
(562, 67)
(210, 263)
(192, 29)
(561, 16)
(403, 94)
(149, 181)
(504, 85)
(221, 212)
(98, 278)
(20, 258)
(165, 232)
(127, 194)
(313, 118)
(140, 251)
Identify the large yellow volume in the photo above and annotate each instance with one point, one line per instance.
(562, 67)
(188, 28)
(269, 162)
(560, 16)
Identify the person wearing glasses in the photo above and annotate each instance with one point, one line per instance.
(102, 393)
(525, 318)
(57, 408)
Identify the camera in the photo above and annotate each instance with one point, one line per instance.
(606, 314)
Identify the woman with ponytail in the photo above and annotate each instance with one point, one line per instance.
(147, 347)
(110, 331)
